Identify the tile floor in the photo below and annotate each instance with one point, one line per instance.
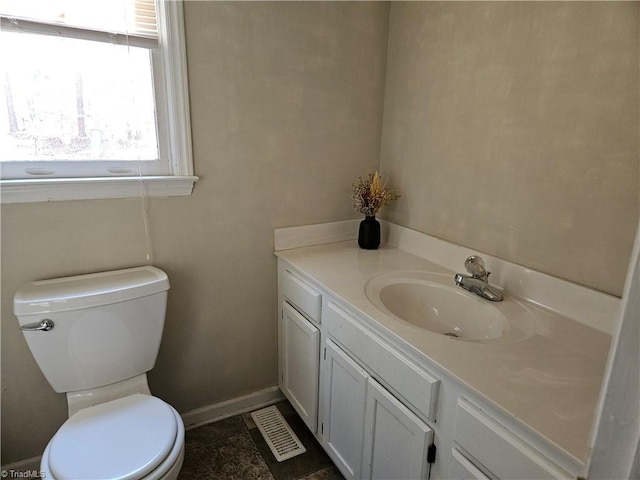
(233, 448)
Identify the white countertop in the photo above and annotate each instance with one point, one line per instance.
(550, 382)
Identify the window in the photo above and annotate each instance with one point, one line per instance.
(96, 101)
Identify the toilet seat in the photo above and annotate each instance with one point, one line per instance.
(135, 437)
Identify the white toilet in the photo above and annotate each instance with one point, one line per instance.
(94, 337)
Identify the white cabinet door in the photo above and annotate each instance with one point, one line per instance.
(344, 399)
(300, 357)
(395, 440)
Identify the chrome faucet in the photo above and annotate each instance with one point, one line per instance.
(478, 282)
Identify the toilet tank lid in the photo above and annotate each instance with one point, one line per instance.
(90, 290)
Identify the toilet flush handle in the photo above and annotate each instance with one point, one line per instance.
(43, 326)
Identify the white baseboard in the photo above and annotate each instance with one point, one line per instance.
(229, 408)
(192, 419)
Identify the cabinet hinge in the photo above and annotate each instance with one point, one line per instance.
(431, 453)
(325, 353)
(322, 428)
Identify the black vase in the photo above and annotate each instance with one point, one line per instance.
(369, 233)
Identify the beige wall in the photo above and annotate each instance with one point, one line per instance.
(512, 128)
(286, 104)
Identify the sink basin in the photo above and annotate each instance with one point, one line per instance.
(432, 301)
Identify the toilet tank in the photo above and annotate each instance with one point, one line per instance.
(107, 326)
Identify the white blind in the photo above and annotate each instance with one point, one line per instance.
(145, 17)
(126, 22)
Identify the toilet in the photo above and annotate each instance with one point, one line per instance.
(94, 337)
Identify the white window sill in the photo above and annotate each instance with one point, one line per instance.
(59, 189)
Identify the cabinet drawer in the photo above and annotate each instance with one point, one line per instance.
(412, 384)
(500, 451)
(301, 294)
(463, 469)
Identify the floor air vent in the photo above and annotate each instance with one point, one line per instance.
(276, 431)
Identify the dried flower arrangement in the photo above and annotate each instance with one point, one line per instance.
(370, 195)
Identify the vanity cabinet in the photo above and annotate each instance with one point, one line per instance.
(379, 409)
(299, 346)
(366, 430)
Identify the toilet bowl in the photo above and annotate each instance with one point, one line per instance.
(135, 437)
(94, 337)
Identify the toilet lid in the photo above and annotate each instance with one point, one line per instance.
(122, 439)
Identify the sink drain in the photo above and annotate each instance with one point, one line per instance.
(451, 334)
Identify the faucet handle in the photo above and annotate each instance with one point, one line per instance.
(475, 266)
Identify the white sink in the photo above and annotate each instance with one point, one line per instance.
(432, 301)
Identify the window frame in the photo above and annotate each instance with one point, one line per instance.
(173, 125)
